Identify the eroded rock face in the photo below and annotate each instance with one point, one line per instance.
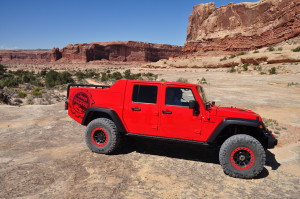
(25, 56)
(118, 51)
(243, 26)
(111, 51)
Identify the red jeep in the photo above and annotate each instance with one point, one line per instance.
(173, 112)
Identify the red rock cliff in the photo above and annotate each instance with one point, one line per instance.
(116, 51)
(242, 26)
(25, 56)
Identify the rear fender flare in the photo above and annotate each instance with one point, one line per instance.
(112, 114)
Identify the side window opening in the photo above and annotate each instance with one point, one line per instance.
(144, 94)
(176, 96)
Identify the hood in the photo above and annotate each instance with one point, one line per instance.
(237, 113)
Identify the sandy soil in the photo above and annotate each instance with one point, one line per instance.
(43, 154)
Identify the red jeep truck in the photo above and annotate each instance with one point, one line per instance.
(170, 111)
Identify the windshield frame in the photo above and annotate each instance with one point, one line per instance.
(202, 94)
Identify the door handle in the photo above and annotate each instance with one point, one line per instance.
(136, 109)
(167, 112)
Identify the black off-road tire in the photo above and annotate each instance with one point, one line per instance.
(242, 156)
(101, 136)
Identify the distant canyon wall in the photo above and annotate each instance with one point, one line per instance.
(110, 51)
(242, 26)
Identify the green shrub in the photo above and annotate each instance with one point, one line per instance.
(272, 71)
(22, 94)
(262, 73)
(3, 70)
(280, 49)
(245, 67)
(80, 75)
(232, 56)
(9, 82)
(182, 80)
(256, 51)
(270, 48)
(223, 59)
(37, 92)
(231, 70)
(104, 77)
(296, 49)
(54, 78)
(241, 53)
(116, 75)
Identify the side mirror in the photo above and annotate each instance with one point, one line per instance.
(207, 106)
(193, 104)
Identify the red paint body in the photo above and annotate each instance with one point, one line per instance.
(150, 119)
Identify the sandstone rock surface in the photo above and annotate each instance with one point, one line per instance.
(118, 51)
(242, 26)
(25, 56)
(109, 51)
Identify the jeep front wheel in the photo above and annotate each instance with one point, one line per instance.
(101, 136)
(242, 156)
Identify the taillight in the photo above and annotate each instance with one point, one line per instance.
(66, 105)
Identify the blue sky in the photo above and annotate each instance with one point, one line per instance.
(44, 24)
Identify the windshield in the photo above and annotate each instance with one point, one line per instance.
(202, 94)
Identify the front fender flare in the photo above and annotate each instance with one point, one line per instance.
(232, 121)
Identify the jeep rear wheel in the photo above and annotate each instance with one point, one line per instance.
(101, 136)
(242, 156)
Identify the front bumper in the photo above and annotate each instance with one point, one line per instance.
(272, 141)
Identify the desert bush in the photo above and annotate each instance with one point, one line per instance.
(9, 82)
(231, 70)
(104, 77)
(256, 51)
(232, 56)
(3, 70)
(245, 67)
(54, 78)
(296, 49)
(280, 49)
(36, 93)
(241, 53)
(22, 94)
(293, 84)
(183, 80)
(272, 71)
(262, 73)
(116, 75)
(203, 81)
(270, 48)
(223, 59)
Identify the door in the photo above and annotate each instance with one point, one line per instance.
(141, 108)
(177, 119)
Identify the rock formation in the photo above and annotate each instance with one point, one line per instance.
(242, 26)
(25, 56)
(116, 51)
(111, 51)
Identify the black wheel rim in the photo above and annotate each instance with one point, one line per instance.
(99, 137)
(242, 158)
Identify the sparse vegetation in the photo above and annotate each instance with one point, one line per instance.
(296, 49)
(203, 81)
(232, 56)
(22, 94)
(36, 92)
(54, 78)
(257, 67)
(272, 71)
(271, 48)
(256, 51)
(223, 59)
(231, 70)
(241, 53)
(293, 84)
(262, 73)
(245, 67)
(280, 49)
(182, 80)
